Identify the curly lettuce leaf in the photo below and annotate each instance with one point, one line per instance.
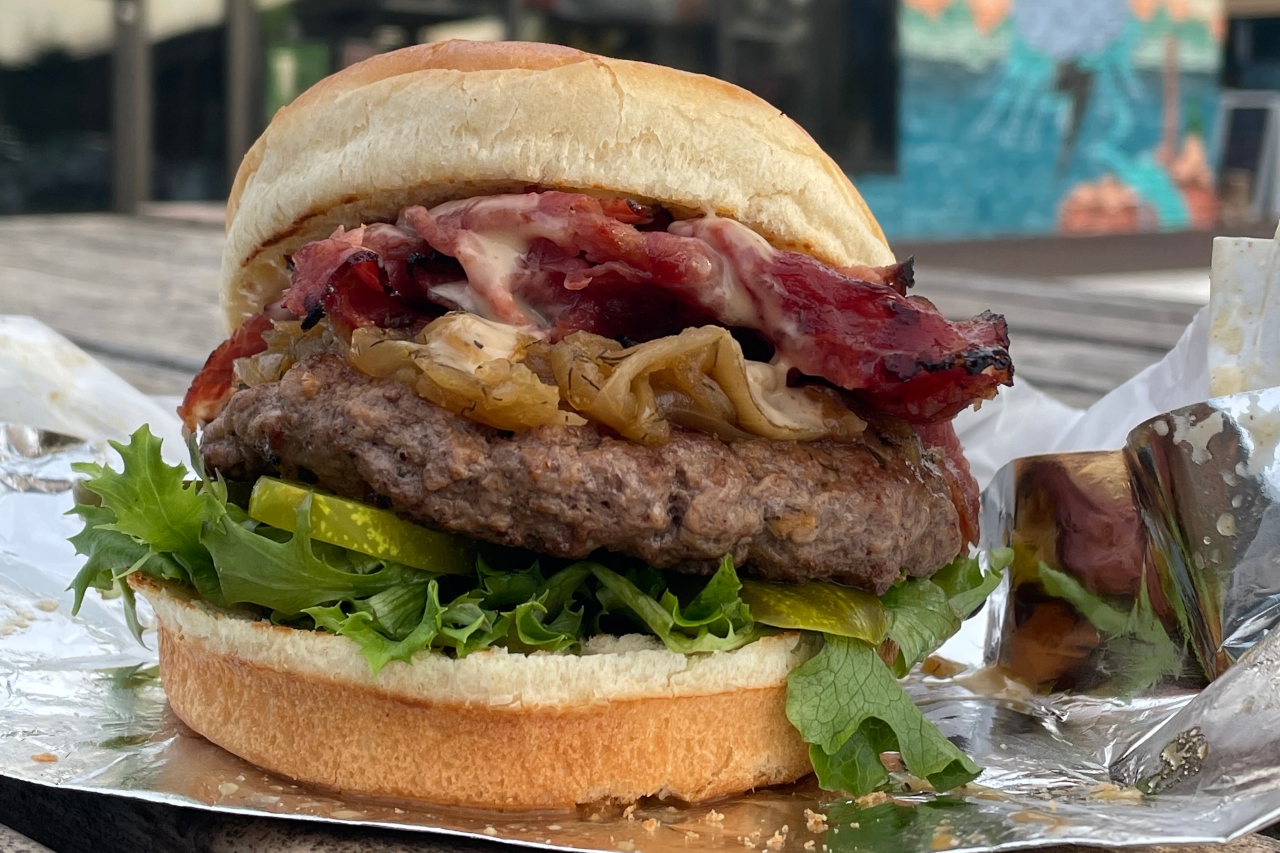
(850, 708)
(378, 649)
(532, 629)
(109, 557)
(401, 621)
(156, 506)
(847, 702)
(396, 612)
(715, 620)
(924, 613)
(719, 601)
(500, 590)
(288, 576)
(545, 621)
(139, 521)
(967, 584)
(559, 590)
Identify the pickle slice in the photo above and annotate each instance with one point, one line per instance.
(817, 606)
(359, 527)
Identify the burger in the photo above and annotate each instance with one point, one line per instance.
(576, 439)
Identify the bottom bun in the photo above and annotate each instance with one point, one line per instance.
(624, 720)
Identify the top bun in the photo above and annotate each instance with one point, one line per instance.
(432, 123)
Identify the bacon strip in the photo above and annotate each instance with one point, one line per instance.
(554, 263)
(376, 275)
(211, 388)
(897, 353)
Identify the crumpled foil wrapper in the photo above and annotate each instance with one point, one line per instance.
(1177, 535)
(83, 707)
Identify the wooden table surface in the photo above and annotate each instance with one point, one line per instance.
(141, 294)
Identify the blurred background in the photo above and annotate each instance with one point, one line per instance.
(957, 118)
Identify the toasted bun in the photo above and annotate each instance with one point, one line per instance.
(624, 720)
(437, 122)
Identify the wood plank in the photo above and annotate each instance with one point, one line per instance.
(1056, 255)
(145, 291)
(1057, 294)
(1038, 319)
(116, 236)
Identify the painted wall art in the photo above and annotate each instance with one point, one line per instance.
(1052, 116)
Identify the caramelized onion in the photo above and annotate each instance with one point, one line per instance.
(286, 344)
(468, 365)
(498, 375)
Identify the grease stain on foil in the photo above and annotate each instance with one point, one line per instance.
(1197, 434)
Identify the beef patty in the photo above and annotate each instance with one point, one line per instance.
(789, 511)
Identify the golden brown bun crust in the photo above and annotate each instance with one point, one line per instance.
(436, 122)
(375, 740)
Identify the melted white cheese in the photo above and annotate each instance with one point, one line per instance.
(494, 258)
(743, 256)
(788, 408)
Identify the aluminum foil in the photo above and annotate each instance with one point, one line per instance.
(83, 709)
(1185, 515)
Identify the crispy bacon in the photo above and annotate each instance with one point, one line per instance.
(572, 275)
(212, 386)
(554, 263)
(628, 211)
(898, 353)
(361, 277)
(377, 275)
(900, 276)
(573, 294)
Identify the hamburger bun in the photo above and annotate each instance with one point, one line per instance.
(432, 123)
(624, 720)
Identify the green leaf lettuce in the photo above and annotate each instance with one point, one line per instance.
(850, 708)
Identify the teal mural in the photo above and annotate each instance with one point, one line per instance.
(1041, 116)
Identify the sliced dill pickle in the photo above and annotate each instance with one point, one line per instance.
(817, 606)
(359, 527)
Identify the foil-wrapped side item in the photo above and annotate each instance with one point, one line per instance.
(1207, 481)
(1125, 559)
(1084, 610)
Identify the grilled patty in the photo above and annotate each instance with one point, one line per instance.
(789, 511)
